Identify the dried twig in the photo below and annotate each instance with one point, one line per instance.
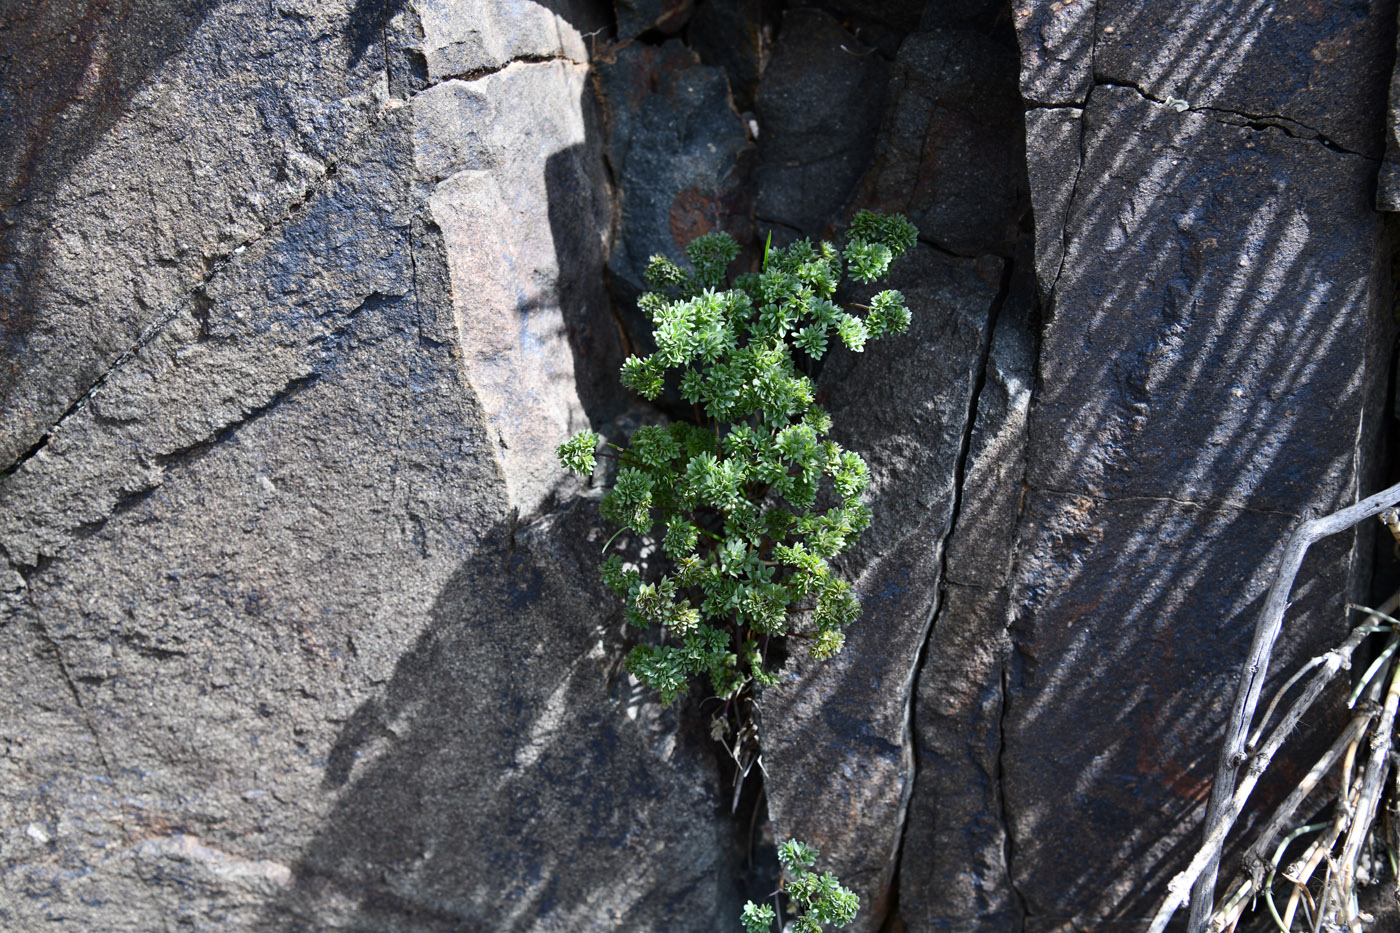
(1225, 800)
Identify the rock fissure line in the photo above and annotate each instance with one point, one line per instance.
(214, 265)
(476, 74)
(82, 708)
(930, 623)
(190, 451)
(1258, 121)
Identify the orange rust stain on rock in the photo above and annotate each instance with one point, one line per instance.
(692, 213)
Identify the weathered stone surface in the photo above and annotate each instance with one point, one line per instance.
(1054, 137)
(1057, 50)
(679, 153)
(1131, 620)
(951, 150)
(92, 253)
(837, 752)
(818, 114)
(279, 650)
(979, 554)
(1320, 72)
(491, 805)
(1211, 367)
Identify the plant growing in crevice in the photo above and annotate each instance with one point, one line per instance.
(733, 517)
(813, 899)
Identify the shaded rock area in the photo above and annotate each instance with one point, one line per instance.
(299, 620)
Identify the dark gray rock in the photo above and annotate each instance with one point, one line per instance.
(1131, 620)
(952, 142)
(837, 750)
(92, 252)
(1319, 72)
(1054, 137)
(1057, 50)
(679, 153)
(472, 800)
(953, 861)
(1388, 185)
(818, 112)
(280, 651)
(1213, 365)
(1169, 303)
(736, 35)
(953, 866)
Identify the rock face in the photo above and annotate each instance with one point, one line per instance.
(1217, 338)
(299, 624)
(288, 643)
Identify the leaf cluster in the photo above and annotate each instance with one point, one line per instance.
(814, 899)
(733, 498)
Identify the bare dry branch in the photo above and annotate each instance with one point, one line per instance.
(1225, 799)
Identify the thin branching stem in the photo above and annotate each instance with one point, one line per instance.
(1226, 803)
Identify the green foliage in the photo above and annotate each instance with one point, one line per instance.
(813, 899)
(733, 499)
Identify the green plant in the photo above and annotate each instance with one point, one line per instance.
(748, 502)
(735, 515)
(813, 899)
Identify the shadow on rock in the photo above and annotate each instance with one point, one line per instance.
(494, 785)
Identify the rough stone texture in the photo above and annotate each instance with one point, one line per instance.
(299, 624)
(1388, 184)
(951, 150)
(1320, 71)
(818, 114)
(1057, 50)
(1054, 135)
(910, 790)
(93, 253)
(282, 646)
(518, 323)
(953, 867)
(836, 745)
(679, 153)
(1213, 364)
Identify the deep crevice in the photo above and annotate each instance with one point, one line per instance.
(931, 623)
